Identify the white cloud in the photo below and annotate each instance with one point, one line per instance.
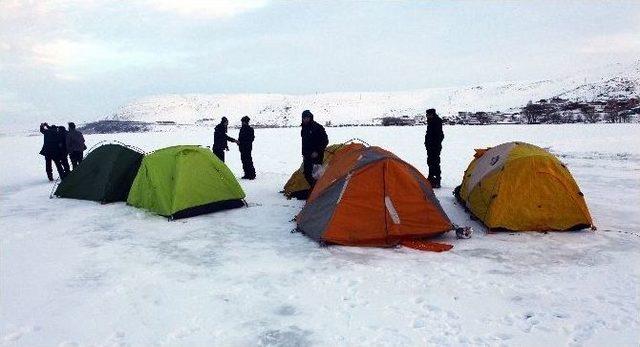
(627, 42)
(49, 10)
(66, 53)
(11, 103)
(63, 53)
(617, 43)
(207, 9)
(71, 59)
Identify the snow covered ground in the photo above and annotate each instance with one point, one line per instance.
(79, 273)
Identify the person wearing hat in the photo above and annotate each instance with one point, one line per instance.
(245, 144)
(220, 139)
(433, 143)
(314, 141)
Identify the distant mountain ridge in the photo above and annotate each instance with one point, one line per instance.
(613, 81)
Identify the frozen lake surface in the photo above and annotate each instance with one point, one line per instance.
(80, 273)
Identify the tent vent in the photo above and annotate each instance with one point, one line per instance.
(392, 210)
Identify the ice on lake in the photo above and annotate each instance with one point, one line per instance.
(80, 273)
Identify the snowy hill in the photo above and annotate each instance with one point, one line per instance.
(613, 81)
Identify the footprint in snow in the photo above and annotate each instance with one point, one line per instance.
(419, 323)
(18, 333)
(286, 310)
(289, 337)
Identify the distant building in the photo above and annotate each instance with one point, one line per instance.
(420, 119)
(401, 121)
(205, 121)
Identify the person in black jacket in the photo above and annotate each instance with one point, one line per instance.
(314, 142)
(433, 143)
(63, 151)
(220, 139)
(75, 145)
(245, 144)
(51, 150)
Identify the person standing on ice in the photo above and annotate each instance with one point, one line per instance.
(62, 149)
(51, 151)
(433, 143)
(314, 142)
(75, 145)
(245, 144)
(220, 139)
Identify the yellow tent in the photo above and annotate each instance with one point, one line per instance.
(519, 186)
(297, 186)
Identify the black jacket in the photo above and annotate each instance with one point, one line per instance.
(50, 147)
(314, 138)
(75, 141)
(434, 136)
(220, 137)
(246, 137)
(62, 142)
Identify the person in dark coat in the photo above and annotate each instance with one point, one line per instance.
(75, 145)
(63, 152)
(220, 139)
(50, 150)
(245, 144)
(433, 143)
(314, 142)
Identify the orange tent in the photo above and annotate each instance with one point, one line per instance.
(370, 197)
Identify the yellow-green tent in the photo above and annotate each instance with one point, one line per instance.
(519, 186)
(297, 186)
(184, 181)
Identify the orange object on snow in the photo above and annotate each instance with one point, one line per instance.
(427, 246)
(370, 197)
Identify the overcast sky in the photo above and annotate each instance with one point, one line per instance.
(82, 59)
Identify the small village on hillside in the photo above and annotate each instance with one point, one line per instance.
(553, 111)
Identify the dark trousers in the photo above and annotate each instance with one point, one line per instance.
(307, 167)
(219, 152)
(59, 167)
(76, 158)
(65, 164)
(247, 163)
(433, 161)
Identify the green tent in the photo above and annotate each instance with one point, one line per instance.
(184, 181)
(105, 175)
